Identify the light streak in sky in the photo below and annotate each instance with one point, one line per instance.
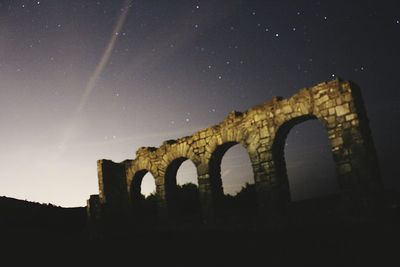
(91, 83)
(105, 57)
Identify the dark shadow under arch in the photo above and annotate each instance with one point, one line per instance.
(215, 169)
(144, 208)
(136, 184)
(310, 166)
(183, 201)
(241, 207)
(278, 151)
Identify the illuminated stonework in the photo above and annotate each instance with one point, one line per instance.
(262, 130)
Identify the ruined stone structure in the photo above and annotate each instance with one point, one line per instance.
(262, 130)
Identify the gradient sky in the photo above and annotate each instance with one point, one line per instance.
(85, 80)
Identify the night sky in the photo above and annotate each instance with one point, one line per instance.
(85, 80)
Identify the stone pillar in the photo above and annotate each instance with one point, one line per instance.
(272, 188)
(93, 212)
(352, 147)
(161, 199)
(93, 208)
(113, 195)
(206, 199)
(210, 190)
(355, 163)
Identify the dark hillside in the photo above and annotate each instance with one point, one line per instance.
(21, 219)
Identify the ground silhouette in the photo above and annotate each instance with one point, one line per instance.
(49, 233)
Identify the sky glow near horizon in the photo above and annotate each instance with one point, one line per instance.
(86, 80)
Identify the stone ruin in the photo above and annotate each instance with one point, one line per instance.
(262, 130)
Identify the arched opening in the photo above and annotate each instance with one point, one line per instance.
(143, 197)
(182, 193)
(303, 159)
(232, 181)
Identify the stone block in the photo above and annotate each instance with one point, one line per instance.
(351, 117)
(287, 109)
(336, 141)
(264, 132)
(342, 109)
(321, 100)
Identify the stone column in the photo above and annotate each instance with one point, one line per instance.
(271, 186)
(352, 147)
(356, 164)
(206, 199)
(113, 189)
(270, 178)
(94, 215)
(161, 200)
(210, 190)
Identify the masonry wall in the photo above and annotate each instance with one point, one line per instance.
(262, 130)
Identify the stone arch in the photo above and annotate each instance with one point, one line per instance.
(214, 167)
(221, 206)
(145, 209)
(278, 150)
(174, 154)
(170, 183)
(337, 104)
(135, 171)
(136, 184)
(170, 175)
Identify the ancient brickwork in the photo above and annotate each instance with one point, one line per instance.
(262, 130)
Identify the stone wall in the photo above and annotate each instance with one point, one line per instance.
(262, 130)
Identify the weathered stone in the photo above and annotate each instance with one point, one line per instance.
(287, 109)
(321, 100)
(337, 141)
(259, 131)
(342, 109)
(264, 132)
(351, 117)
